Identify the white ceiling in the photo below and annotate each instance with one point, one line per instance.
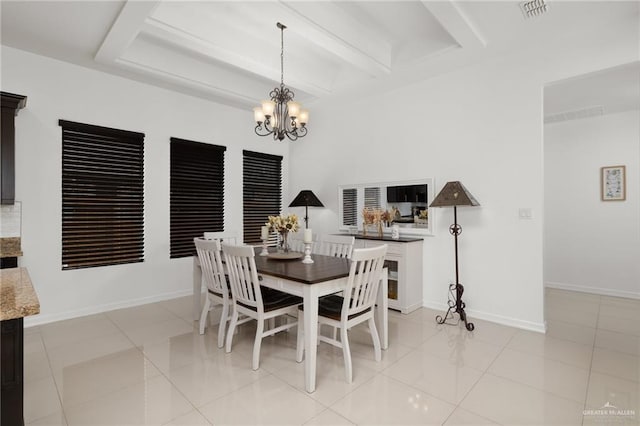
(229, 51)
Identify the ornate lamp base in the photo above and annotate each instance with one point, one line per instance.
(456, 306)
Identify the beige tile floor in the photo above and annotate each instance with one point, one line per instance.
(148, 365)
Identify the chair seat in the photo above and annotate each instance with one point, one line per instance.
(331, 307)
(275, 299)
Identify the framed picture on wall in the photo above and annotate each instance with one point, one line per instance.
(613, 183)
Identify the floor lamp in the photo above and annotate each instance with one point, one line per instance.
(454, 194)
(305, 199)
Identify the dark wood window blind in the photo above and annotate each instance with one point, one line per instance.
(197, 193)
(102, 196)
(262, 191)
(350, 207)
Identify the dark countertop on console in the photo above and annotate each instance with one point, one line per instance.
(360, 236)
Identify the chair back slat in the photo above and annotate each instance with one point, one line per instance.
(296, 241)
(243, 276)
(364, 279)
(335, 245)
(210, 257)
(230, 237)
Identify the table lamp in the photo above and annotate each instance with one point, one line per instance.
(454, 194)
(305, 199)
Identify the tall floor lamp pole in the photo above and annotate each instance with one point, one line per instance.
(455, 194)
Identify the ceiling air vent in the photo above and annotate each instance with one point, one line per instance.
(533, 8)
(575, 114)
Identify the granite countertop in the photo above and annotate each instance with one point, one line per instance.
(360, 236)
(10, 247)
(17, 297)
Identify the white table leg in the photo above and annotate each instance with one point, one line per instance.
(197, 288)
(310, 300)
(382, 310)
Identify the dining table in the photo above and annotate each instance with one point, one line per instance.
(326, 275)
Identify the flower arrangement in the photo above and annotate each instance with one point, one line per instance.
(374, 216)
(283, 224)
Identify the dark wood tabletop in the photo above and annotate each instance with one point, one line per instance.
(323, 268)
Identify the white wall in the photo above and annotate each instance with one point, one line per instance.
(481, 125)
(592, 245)
(57, 90)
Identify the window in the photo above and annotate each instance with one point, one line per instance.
(372, 197)
(196, 194)
(102, 196)
(350, 207)
(262, 192)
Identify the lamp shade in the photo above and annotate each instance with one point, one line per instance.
(306, 198)
(454, 194)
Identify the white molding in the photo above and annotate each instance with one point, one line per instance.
(454, 21)
(593, 290)
(98, 309)
(499, 319)
(125, 29)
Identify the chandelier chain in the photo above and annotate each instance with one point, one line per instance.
(282, 55)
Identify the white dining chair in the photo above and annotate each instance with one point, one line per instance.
(334, 245)
(296, 241)
(231, 237)
(210, 257)
(254, 301)
(346, 312)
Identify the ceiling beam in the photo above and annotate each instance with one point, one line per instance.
(456, 23)
(346, 37)
(125, 29)
(314, 83)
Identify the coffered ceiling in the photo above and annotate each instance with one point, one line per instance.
(229, 51)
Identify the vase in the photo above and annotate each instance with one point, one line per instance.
(373, 229)
(283, 244)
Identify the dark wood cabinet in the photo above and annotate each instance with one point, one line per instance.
(11, 372)
(11, 104)
(407, 194)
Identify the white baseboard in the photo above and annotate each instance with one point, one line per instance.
(98, 309)
(499, 319)
(593, 290)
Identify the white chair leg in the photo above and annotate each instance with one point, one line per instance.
(300, 342)
(256, 344)
(346, 352)
(232, 327)
(376, 339)
(223, 324)
(203, 315)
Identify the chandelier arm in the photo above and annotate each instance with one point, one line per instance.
(262, 129)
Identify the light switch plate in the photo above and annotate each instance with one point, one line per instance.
(525, 213)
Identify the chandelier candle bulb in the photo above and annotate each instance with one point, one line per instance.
(267, 108)
(294, 109)
(308, 236)
(258, 115)
(303, 118)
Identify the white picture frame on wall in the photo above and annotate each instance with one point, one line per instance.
(613, 185)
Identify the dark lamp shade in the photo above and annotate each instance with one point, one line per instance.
(454, 194)
(306, 198)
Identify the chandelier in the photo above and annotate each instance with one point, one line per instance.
(281, 116)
